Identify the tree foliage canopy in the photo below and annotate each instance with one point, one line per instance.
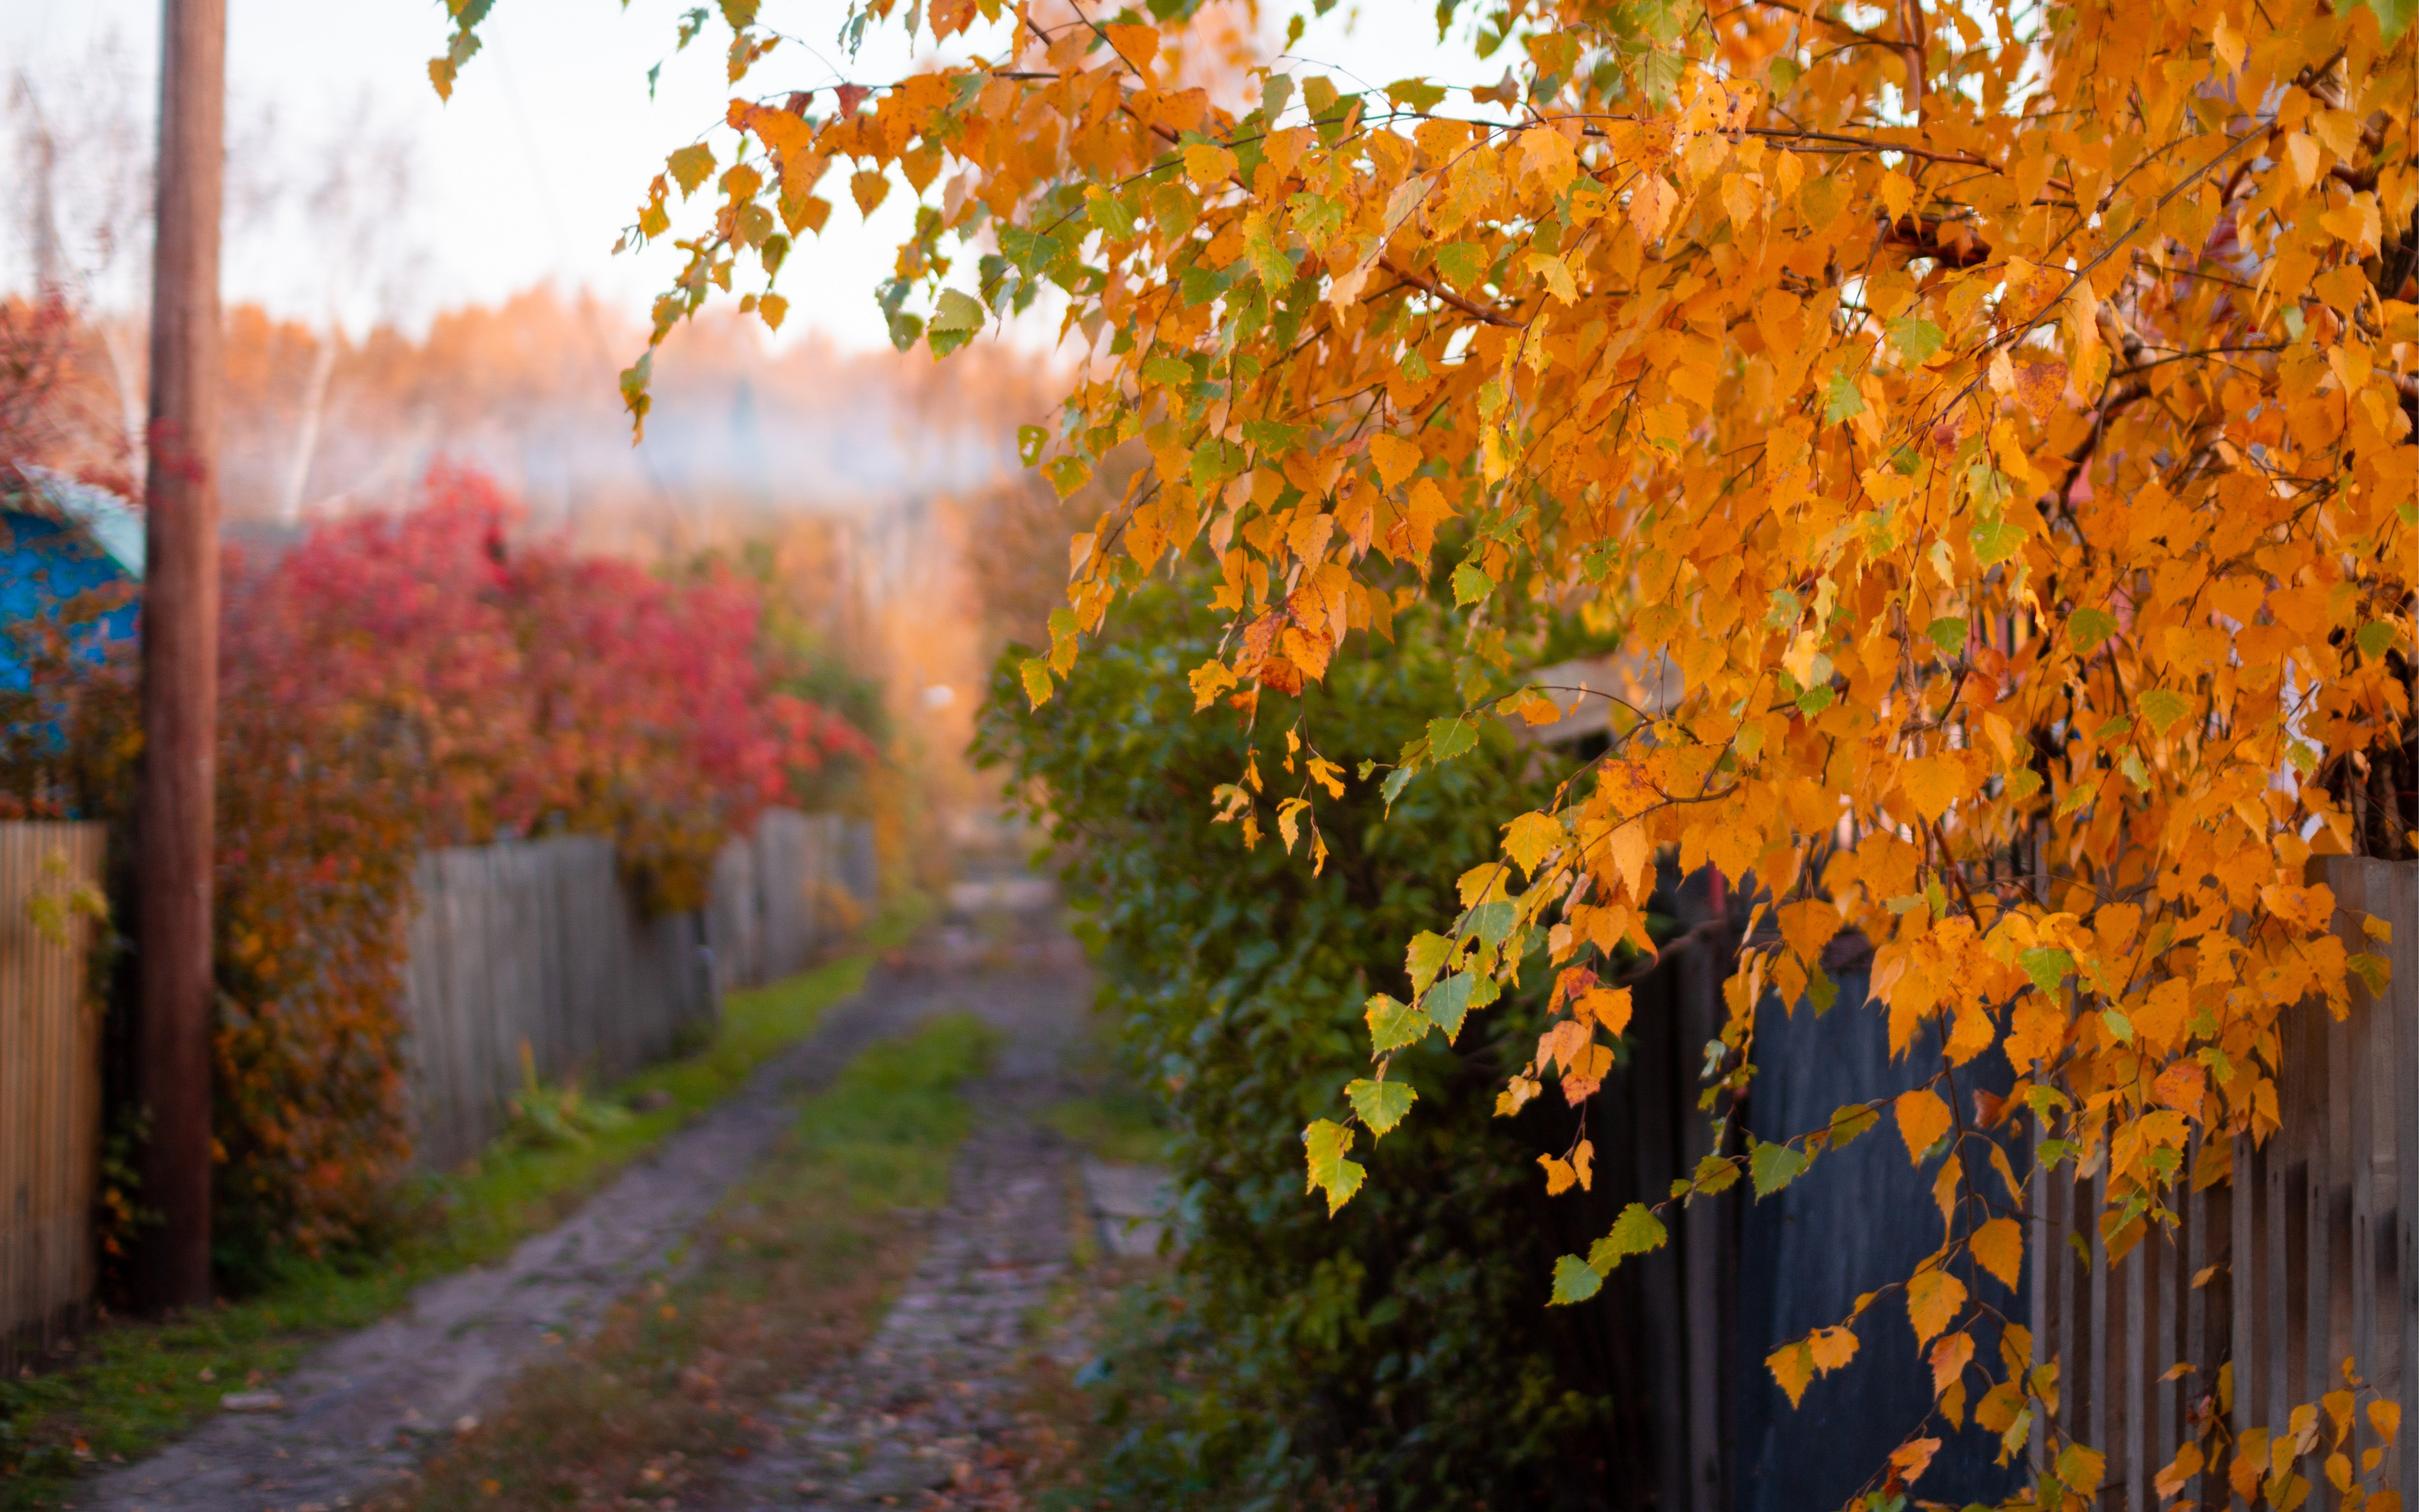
(1991, 424)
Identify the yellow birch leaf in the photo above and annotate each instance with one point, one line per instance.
(1396, 457)
(1793, 1368)
(2000, 1246)
(1923, 1119)
(1530, 838)
(1934, 1300)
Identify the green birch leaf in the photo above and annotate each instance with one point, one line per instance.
(1325, 1143)
(2047, 968)
(2090, 626)
(2163, 707)
(1996, 541)
(1842, 399)
(689, 165)
(1449, 738)
(1447, 1002)
(1774, 1166)
(1426, 956)
(1394, 1025)
(1381, 1105)
(957, 311)
(1036, 673)
(1635, 1232)
(1850, 1121)
(1916, 339)
(1574, 1281)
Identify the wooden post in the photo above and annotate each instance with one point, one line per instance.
(180, 613)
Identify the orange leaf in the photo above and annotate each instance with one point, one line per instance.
(1999, 1245)
(1793, 1366)
(1933, 1298)
(1652, 200)
(1923, 1119)
(1136, 44)
(1396, 459)
(1932, 783)
(1909, 1460)
(1608, 1006)
(1949, 1358)
(1808, 927)
(1833, 1347)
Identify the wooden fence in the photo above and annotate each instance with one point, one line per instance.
(786, 891)
(50, 1083)
(542, 942)
(536, 943)
(2311, 1255)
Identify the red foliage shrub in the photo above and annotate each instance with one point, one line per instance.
(405, 681)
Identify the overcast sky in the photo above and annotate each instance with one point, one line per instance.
(537, 164)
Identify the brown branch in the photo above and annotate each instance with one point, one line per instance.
(1920, 235)
(1436, 290)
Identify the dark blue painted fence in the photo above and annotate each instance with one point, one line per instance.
(1704, 1429)
(1861, 1219)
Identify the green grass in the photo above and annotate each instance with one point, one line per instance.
(1111, 1119)
(1113, 1125)
(133, 1386)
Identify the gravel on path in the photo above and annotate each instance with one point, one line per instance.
(364, 1408)
(928, 1403)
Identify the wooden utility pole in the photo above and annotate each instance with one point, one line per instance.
(180, 632)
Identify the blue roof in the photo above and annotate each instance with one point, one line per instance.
(60, 541)
(113, 525)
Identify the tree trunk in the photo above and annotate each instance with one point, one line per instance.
(173, 811)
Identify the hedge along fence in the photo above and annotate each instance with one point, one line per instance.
(50, 1081)
(400, 683)
(391, 685)
(545, 945)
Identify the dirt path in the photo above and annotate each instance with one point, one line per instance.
(363, 1409)
(927, 1402)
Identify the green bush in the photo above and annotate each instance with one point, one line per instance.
(1399, 1355)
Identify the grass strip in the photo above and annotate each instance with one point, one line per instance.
(135, 1384)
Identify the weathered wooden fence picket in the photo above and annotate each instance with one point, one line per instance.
(542, 944)
(50, 1083)
(2309, 1258)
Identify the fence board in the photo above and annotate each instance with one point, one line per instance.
(49, 1089)
(2308, 1252)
